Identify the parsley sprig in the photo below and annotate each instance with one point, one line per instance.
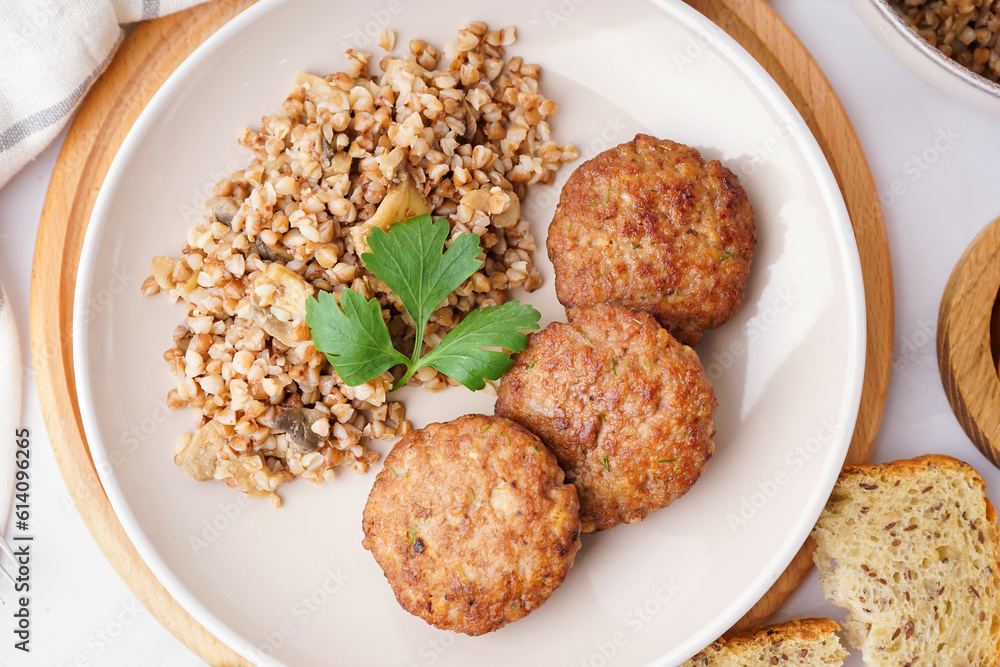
(408, 258)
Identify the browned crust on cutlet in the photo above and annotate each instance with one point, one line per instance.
(627, 409)
(471, 523)
(651, 226)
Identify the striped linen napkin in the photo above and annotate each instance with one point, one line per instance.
(10, 404)
(51, 52)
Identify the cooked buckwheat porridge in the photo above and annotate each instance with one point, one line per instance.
(967, 31)
(459, 134)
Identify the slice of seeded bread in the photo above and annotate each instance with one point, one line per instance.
(910, 549)
(809, 643)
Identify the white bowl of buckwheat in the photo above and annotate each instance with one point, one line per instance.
(954, 45)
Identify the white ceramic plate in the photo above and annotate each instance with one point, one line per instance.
(294, 585)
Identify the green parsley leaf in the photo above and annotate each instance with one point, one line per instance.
(408, 259)
(411, 259)
(353, 335)
(461, 356)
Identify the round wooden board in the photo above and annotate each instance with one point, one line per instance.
(155, 48)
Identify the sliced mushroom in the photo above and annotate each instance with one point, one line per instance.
(389, 162)
(480, 200)
(163, 272)
(320, 89)
(402, 201)
(278, 303)
(471, 124)
(197, 457)
(223, 209)
(163, 269)
(340, 163)
(272, 253)
(297, 424)
(511, 214)
(241, 475)
(327, 149)
(394, 67)
(199, 454)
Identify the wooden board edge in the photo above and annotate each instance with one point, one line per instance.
(760, 31)
(144, 60)
(751, 22)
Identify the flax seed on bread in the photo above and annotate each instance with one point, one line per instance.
(811, 642)
(910, 549)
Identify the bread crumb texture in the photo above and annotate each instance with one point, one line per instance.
(909, 548)
(811, 642)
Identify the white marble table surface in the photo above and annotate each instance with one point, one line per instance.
(82, 612)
